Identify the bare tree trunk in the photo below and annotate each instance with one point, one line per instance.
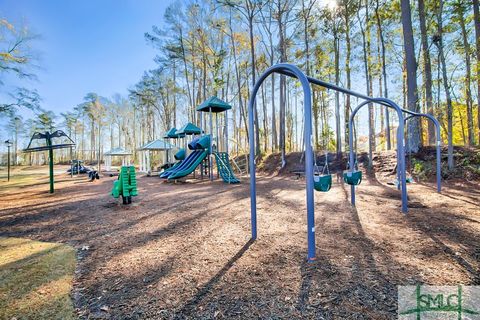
(174, 96)
(439, 43)
(253, 66)
(316, 116)
(185, 70)
(413, 141)
(348, 54)
(274, 115)
(468, 71)
(476, 14)
(270, 49)
(265, 121)
(366, 55)
(338, 129)
(283, 58)
(427, 70)
(237, 76)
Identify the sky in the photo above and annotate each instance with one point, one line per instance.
(86, 46)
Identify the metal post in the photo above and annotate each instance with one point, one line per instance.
(50, 155)
(352, 195)
(400, 143)
(251, 142)
(210, 164)
(439, 162)
(352, 158)
(438, 143)
(217, 131)
(71, 162)
(216, 138)
(8, 162)
(308, 153)
(398, 171)
(226, 131)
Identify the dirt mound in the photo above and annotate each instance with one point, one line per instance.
(295, 162)
(466, 163)
(421, 165)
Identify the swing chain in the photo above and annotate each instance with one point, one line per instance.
(325, 167)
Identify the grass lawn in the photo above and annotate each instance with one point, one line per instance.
(35, 279)
(24, 176)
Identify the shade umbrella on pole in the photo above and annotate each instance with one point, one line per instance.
(213, 105)
(171, 134)
(48, 142)
(188, 130)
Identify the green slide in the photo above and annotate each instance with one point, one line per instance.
(190, 166)
(126, 185)
(224, 168)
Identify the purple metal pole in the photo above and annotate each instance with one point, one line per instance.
(400, 143)
(294, 72)
(437, 146)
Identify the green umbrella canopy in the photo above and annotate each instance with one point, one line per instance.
(172, 134)
(58, 140)
(189, 129)
(158, 144)
(214, 104)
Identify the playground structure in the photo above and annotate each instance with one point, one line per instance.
(353, 177)
(200, 149)
(48, 142)
(180, 154)
(214, 105)
(126, 185)
(203, 147)
(224, 169)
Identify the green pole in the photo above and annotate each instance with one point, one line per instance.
(8, 163)
(50, 155)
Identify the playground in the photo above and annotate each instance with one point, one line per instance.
(184, 250)
(318, 241)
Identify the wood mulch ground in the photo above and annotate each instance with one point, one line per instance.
(182, 251)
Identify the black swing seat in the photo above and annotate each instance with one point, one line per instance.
(353, 178)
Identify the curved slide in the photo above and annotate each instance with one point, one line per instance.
(224, 168)
(187, 167)
(184, 164)
(174, 167)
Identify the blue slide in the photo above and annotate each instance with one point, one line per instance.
(184, 164)
(198, 157)
(200, 147)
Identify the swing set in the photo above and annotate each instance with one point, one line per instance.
(322, 181)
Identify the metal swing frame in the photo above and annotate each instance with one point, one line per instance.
(294, 72)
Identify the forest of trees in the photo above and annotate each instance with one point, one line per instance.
(423, 54)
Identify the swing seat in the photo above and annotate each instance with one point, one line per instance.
(352, 178)
(322, 183)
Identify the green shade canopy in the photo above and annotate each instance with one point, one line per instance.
(172, 134)
(189, 129)
(215, 105)
(158, 144)
(46, 141)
